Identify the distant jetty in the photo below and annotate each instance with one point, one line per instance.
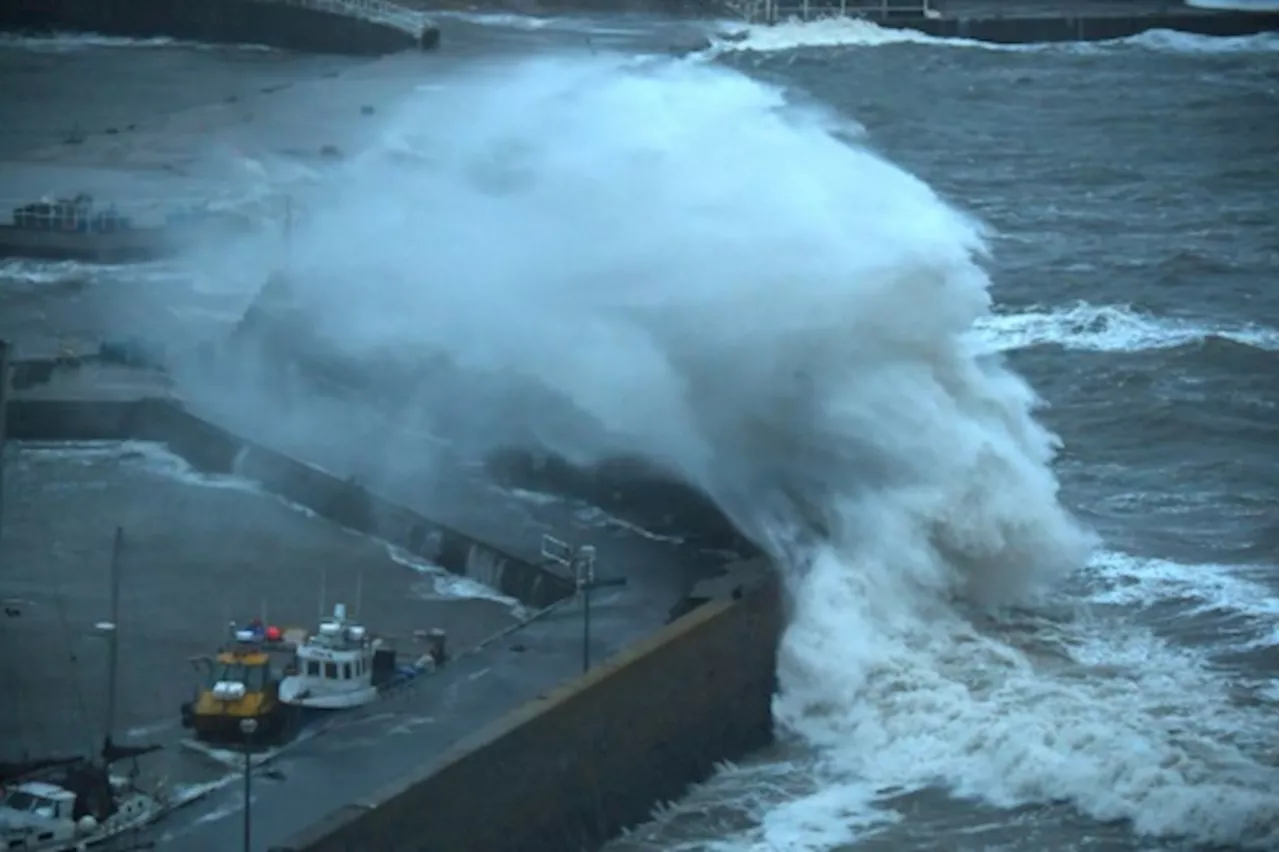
(1024, 22)
(78, 230)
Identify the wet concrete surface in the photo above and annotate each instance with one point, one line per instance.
(198, 552)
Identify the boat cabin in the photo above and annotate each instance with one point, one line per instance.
(35, 814)
(41, 800)
(338, 666)
(242, 669)
(339, 651)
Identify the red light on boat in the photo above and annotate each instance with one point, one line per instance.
(274, 634)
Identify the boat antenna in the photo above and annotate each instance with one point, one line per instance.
(113, 639)
(359, 590)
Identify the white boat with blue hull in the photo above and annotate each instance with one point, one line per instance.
(342, 666)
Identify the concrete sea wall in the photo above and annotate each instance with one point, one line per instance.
(1023, 21)
(63, 420)
(211, 449)
(1015, 29)
(308, 26)
(580, 764)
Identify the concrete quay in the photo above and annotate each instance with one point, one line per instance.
(352, 27)
(1027, 21)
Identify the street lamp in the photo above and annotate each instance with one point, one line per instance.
(582, 564)
(248, 727)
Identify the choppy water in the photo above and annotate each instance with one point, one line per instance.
(1128, 190)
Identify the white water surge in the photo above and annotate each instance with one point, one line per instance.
(730, 286)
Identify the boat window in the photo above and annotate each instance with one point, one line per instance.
(313, 668)
(346, 671)
(254, 678)
(331, 670)
(20, 800)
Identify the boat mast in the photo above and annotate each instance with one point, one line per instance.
(4, 393)
(113, 648)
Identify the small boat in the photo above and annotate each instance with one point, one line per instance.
(341, 666)
(76, 229)
(73, 810)
(239, 684)
(66, 804)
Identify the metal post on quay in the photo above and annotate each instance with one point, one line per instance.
(582, 563)
(248, 727)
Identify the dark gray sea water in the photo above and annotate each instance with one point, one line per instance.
(1128, 190)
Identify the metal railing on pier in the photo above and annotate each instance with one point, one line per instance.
(376, 11)
(774, 11)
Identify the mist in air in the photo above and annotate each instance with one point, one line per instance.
(670, 261)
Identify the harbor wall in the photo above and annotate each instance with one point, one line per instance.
(1069, 26)
(71, 420)
(275, 23)
(593, 757)
(212, 449)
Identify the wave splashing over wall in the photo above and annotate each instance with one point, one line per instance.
(671, 261)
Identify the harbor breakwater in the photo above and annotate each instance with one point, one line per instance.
(211, 449)
(1074, 23)
(1019, 21)
(353, 27)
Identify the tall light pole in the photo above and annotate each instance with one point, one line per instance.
(582, 563)
(248, 727)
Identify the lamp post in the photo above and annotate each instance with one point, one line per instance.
(582, 562)
(248, 727)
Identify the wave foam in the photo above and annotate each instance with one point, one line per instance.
(1119, 578)
(1106, 328)
(1098, 714)
(852, 32)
